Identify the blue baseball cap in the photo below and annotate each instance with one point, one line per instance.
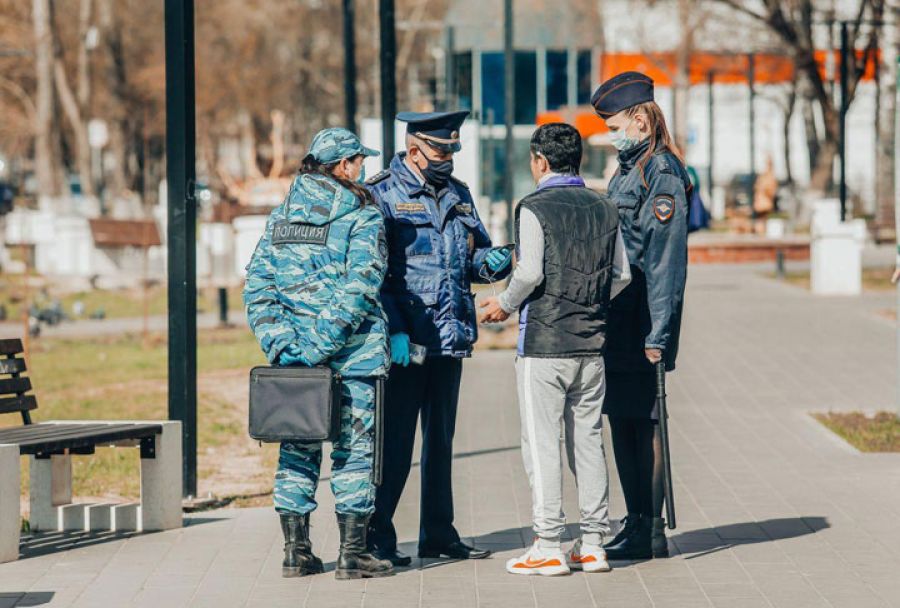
(336, 143)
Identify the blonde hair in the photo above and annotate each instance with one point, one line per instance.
(660, 139)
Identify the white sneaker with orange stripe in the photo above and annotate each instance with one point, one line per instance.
(539, 560)
(589, 558)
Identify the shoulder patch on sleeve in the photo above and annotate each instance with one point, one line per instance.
(663, 207)
(378, 177)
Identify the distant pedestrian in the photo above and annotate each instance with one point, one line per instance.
(651, 190)
(572, 261)
(312, 298)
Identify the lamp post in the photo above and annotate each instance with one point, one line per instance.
(182, 223)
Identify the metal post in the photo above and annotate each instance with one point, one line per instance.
(180, 176)
(490, 158)
(751, 81)
(509, 69)
(388, 78)
(897, 220)
(712, 139)
(842, 124)
(349, 65)
(451, 101)
(223, 306)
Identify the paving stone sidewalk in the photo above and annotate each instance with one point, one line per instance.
(773, 510)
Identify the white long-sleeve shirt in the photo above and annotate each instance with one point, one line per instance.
(529, 271)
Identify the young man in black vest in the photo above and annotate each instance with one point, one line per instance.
(571, 262)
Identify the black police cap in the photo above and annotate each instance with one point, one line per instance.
(622, 91)
(440, 129)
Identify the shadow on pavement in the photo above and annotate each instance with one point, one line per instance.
(702, 542)
(36, 544)
(21, 599)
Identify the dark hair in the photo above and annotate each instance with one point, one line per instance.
(560, 144)
(312, 166)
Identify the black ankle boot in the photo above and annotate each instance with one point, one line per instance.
(298, 556)
(634, 546)
(658, 543)
(354, 561)
(629, 523)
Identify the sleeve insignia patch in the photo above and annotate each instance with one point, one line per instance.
(663, 207)
(409, 207)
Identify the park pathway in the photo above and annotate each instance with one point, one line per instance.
(774, 511)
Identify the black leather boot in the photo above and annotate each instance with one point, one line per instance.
(298, 556)
(354, 560)
(629, 523)
(634, 546)
(658, 543)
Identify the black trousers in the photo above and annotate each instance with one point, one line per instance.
(638, 449)
(432, 391)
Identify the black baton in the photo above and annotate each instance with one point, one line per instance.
(664, 439)
(378, 448)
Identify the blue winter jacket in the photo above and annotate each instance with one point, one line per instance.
(436, 249)
(313, 282)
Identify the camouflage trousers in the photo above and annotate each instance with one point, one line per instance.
(351, 459)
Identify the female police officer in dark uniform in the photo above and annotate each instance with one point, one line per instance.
(650, 190)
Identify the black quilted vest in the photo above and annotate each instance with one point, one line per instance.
(566, 315)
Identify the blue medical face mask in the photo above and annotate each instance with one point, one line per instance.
(621, 141)
(361, 179)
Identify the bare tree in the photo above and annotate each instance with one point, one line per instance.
(793, 23)
(48, 162)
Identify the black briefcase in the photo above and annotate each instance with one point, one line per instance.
(294, 404)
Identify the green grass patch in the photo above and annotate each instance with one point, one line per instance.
(115, 303)
(873, 279)
(124, 377)
(876, 433)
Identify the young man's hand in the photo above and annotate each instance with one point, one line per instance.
(492, 311)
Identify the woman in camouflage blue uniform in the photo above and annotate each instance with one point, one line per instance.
(312, 297)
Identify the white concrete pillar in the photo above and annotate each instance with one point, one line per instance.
(51, 487)
(10, 518)
(161, 481)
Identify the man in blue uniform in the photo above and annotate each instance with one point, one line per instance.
(437, 246)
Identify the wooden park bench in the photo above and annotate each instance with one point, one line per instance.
(50, 446)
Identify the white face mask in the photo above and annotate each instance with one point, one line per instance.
(621, 141)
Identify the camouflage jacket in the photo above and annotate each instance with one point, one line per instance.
(314, 279)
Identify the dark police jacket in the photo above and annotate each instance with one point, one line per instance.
(566, 315)
(436, 249)
(653, 214)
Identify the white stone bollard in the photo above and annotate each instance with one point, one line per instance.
(247, 231)
(10, 518)
(836, 256)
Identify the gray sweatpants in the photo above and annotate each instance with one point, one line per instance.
(556, 394)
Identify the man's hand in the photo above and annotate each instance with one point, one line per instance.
(492, 311)
(654, 355)
(896, 276)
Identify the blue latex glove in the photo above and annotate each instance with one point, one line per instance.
(400, 349)
(292, 356)
(497, 259)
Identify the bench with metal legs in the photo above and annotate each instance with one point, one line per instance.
(50, 447)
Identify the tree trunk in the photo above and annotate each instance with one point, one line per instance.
(682, 76)
(117, 88)
(47, 156)
(788, 116)
(884, 153)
